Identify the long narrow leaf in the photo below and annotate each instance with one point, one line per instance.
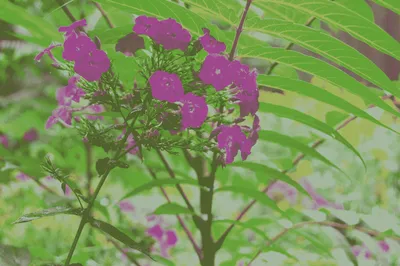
(300, 117)
(48, 212)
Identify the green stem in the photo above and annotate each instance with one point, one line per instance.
(85, 217)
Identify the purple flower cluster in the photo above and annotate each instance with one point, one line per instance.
(210, 44)
(169, 33)
(31, 135)
(359, 250)
(4, 140)
(168, 87)
(90, 62)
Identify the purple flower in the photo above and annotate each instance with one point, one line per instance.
(4, 140)
(67, 191)
(22, 176)
(246, 88)
(62, 114)
(282, 188)
(251, 140)
(384, 246)
(69, 93)
(210, 44)
(77, 46)
(156, 232)
(92, 65)
(194, 111)
(230, 139)
(357, 250)
(318, 200)
(126, 206)
(146, 25)
(215, 71)
(171, 35)
(69, 30)
(31, 135)
(131, 145)
(95, 108)
(49, 53)
(166, 87)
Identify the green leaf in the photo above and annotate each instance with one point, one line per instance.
(48, 212)
(290, 142)
(212, 9)
(262, 171)
(320, 69)
(102, 165)
(393, 5)
(172, 209)
(14, 256)
(118, 235)
(348, 20)
(43, 33)
(333, 118)
(255, 194)
(274, 10)
(245, 225)
(160, 183)
(324, 44)
(319, 94)
(309, 121)
(322, 248)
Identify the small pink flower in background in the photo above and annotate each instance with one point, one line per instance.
(172, 35)
(230, 139)
(63, 114)
(166, 239)
(146, 26)
(77, 46)
(279, 187)
(69, 30)
(166, 87)
(318, 200)
(92, 65)
(241, 263)
(69, 93)
(22, 176)
(49, 53)
(210, 44)
(215, 71)
(31, 135)
(68, 191)
(126, 206)
(131, 145)
(4, 140)
(384, 246)
(194, 111)
(95, 108)
(358, 250)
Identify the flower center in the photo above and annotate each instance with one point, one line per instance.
(218, 71)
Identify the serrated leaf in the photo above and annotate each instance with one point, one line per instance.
(118, 235)
(263, 171)
(320, 69)
(218, 10)
(289, 142)
(255, 194)
(172, 209)
(348, 20)
(324, 44)
(160, 183)
(393, 5)
(48, 212)
(14, 256)
(309, 121)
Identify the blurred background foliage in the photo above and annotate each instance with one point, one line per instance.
(27, 91)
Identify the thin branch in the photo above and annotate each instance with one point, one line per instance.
(104, 14)
(89, 162)
(289, 46)
(239, 30)
(295, 162)
(172, 175)
(370, 232)
(37, 181)
(180, 220)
